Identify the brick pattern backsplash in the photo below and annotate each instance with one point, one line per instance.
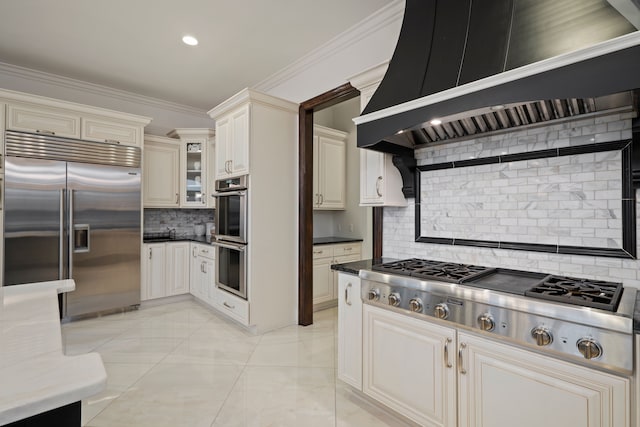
(182, 220)
(571, 200)
(399, 222)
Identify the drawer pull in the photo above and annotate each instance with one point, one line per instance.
(46, 132)
(232, 307)
(112, 141)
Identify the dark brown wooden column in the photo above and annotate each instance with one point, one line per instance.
(305, 177)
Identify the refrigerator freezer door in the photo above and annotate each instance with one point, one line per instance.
(105, 238)
(34, 237)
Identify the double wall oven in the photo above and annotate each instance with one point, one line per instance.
(231, 235)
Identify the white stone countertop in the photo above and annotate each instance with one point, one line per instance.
(35, 375)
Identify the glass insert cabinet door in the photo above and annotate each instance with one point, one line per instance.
(194, 193)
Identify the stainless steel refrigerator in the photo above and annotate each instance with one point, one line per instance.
(72, 210)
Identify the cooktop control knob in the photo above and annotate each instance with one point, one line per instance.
(589, 348)
(542, 336)
(394, 299)
(374, 295)
(415, 305)
(486, 323)
(441, 311)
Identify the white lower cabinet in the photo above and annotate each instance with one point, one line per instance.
(438, 376)
(165, 270)
(233, 306)
(349, 330)
(508, 386)
(325, 280)
(202, 281)
(405, 366)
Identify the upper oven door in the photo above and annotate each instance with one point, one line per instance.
(231, 216)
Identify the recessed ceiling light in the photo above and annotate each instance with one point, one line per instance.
(400, 131)
(497, 107)
(435, 122)
(190, 40)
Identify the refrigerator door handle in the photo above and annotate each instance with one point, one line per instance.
(61, 238)
(71, 233)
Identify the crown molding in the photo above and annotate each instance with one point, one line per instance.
(247, 95)
(387, 15)
(121, 95)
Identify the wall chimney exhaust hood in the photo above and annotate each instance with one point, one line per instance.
(482, 66)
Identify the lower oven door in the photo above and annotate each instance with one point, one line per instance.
(231, 271)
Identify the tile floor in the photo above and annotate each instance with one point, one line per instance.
(182, 364)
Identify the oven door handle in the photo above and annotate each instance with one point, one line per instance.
(240, 248)
(230, 193)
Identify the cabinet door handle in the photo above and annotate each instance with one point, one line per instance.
(321, 199)
(346, 294)
(446, 353)
(46, 132)
(231, 166)
(177, 198)
(460, 359)
(193, 252)
(112, 141)
(229, 306)
(150, 253)
(378, 181)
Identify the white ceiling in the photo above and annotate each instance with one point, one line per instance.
(135, 45)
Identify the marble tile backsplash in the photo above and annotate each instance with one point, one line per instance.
(571, 200)
(399, 222)
(182, 220)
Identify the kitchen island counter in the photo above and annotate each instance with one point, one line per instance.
(37, 378)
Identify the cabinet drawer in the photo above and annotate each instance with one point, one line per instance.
(111, 132)
(233, 306)
(48, 121)
(347, 249)
(204, 251)
(322, 251)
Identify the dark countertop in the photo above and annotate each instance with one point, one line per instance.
(334, 239)
(189, 238)
(355, 266)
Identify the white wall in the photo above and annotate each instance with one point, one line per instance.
(366, 45)
(166, 115)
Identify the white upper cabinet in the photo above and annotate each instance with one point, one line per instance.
(232, 147)
(196, 180)
(44, 120)
(329, 168)
(35, 114)
(100, 130)
(380, 180)
(161, 172)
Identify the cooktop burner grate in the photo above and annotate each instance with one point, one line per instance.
(449, 272)
(583, 292)
(428, 269)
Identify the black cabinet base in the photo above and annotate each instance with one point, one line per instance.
(65, 416)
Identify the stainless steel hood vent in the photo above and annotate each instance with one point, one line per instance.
(504, 118)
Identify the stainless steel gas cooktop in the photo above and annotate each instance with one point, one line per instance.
(587, 321)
